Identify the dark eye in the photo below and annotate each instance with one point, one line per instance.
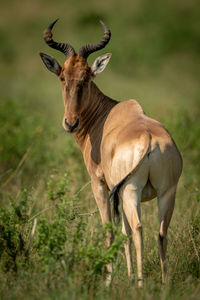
(62, 78)
(79, 86)
(79, 92)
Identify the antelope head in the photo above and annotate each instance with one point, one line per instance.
(75, 75)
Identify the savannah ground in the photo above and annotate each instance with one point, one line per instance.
(51, 239)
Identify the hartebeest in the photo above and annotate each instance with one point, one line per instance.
(124, 150)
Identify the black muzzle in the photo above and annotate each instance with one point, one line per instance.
(72, 127)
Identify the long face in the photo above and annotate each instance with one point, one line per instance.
(75, 75)
(75, 78)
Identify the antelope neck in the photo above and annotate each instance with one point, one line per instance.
(94, 115)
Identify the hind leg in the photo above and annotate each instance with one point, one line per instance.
(131, 205)
(165, 210)
(126, 229)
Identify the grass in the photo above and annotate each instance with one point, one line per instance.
(51, 239)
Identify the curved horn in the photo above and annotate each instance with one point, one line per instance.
(86, 50)
(64, 48)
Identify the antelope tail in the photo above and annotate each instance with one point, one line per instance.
(115, 194)
(115, 191)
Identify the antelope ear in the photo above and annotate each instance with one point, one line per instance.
(100, 63)
(51, 63)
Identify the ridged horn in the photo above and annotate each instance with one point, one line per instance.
(86, 50)
(67, 49)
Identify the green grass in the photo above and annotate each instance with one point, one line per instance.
(51, 239)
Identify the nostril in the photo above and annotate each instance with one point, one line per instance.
(72, 127)
(66, 123)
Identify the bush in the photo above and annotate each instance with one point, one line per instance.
(14, 231)
(60, 240)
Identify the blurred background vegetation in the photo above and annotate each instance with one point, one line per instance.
(50, 233)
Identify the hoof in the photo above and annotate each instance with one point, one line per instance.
(140, 283)
(108, 280)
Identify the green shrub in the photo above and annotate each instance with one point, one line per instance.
(61, 239)
(14, 231)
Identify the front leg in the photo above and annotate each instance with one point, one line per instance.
(100, 192)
